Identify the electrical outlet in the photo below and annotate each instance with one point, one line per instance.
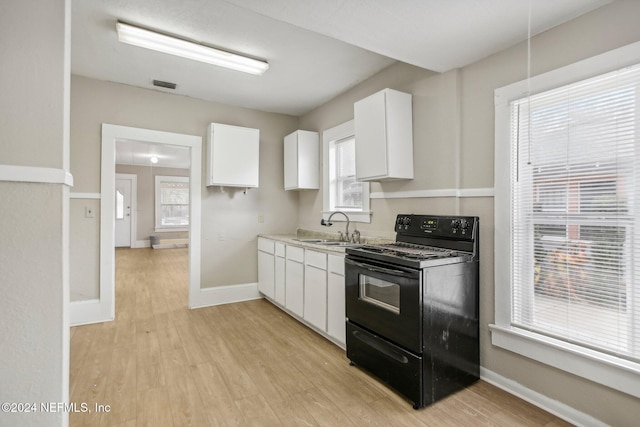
(261, 218)
(88, 212)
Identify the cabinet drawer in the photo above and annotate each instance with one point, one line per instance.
(295, 253)
(280, 249)
(316, 259)
(265, 245)
(336, 264)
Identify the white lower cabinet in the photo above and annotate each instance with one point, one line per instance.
(336, 316)
(306, 283)
(279, 276)
(294, 280)
(315, 289)
(266, 267)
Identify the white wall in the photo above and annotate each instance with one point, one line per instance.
(34, 119)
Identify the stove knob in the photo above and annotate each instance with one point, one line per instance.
(406, 221)
(455, 224)
(464, 224)
(399, 221)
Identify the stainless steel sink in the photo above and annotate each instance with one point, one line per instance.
(326, 242)
(336, 243)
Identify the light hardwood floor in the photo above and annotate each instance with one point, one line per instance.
(160, 364)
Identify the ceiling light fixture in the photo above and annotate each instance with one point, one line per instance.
(154, 159)
(162, 43)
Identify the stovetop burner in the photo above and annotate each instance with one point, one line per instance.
(411, 251)
(426, 240)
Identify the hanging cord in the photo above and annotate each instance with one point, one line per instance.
(529, 84)
(518, 143)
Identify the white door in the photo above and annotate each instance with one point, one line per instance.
(123, 212)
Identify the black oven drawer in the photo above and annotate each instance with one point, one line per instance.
(393, 365)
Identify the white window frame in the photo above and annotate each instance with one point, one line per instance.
(159, 179)
(337, 133)
(602, 368)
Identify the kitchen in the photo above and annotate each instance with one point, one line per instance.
(455, 106)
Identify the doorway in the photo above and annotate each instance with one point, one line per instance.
(110, 135)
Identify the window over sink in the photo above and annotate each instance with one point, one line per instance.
(341, 190)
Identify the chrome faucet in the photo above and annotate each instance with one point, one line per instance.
(328, 223)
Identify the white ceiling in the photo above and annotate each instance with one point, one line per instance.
(316, 49)
(139, 153)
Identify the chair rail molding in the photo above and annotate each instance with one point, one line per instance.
(35, 174)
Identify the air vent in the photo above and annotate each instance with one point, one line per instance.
(167, 85)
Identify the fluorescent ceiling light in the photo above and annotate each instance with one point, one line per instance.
(162, 43)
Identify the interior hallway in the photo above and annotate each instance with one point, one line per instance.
(160, 364)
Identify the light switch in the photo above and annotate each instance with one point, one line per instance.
(261, 218)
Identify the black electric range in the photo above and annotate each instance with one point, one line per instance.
(412, 306)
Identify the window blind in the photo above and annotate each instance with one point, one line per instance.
(575, 221)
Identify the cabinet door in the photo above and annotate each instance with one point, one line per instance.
(301, 161)
(336, 316)
(233, 156)
(371, 136)
(280, 280)
(315, 297)
(266, 274)
(294, 286)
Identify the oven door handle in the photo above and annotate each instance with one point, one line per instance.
(377, 269)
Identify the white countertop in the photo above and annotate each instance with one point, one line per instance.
(290, 239)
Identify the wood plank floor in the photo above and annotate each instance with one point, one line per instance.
(160, 364)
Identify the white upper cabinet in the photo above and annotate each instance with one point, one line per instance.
(302, 161)
(384, 136)
(232, 156)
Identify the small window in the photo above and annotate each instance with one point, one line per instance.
(172, 203)
(342, 192)
(346, 192)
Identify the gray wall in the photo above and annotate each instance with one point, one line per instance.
(454, 148)
(229, 219)
(34, 123)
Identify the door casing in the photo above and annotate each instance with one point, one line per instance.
(110, 134)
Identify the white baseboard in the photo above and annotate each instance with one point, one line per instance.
(225, 295)
(170, 245)
(142, 244)
(92, 311)
(87, 312)
(552, 406)
(164, 243)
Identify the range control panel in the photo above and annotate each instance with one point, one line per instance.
(436, 226)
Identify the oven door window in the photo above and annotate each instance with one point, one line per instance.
(380, 293)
